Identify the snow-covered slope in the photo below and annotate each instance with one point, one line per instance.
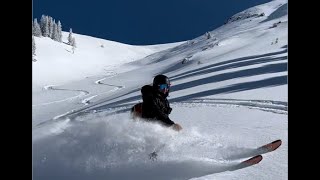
(229, 93)
(57, 63)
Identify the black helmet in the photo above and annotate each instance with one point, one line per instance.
(160, 80)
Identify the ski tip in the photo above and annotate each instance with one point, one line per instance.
(273, 145)
(254, 160)
(249, 162)
(277, 141)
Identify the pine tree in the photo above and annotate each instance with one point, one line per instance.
(55, 35)
(59, 29)
(50, 26)
(36, 28)
(73, 44)
(33, 47)
(44, 26)
(70, 37)
(208, 34)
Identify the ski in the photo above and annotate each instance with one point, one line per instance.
(270, 147)
(257, 155)
(256, 151)
(249, 162)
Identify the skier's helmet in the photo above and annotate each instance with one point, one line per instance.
(162, 84)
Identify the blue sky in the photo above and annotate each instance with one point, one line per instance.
(141, 22)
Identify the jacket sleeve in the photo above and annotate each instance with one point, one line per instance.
(160, 115)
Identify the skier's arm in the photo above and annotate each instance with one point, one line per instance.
(164, 118)
(160, 115)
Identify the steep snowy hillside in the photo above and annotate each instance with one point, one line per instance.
(229, 93)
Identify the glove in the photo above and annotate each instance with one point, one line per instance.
(176, 127)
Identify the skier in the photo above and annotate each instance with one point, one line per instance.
(155, 106)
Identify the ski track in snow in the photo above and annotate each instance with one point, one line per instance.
(278, 107)
(51, 87)
(86, 101)
(112, 74)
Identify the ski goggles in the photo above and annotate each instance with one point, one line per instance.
(164, 86)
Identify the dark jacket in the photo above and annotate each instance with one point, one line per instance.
(155, 106)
